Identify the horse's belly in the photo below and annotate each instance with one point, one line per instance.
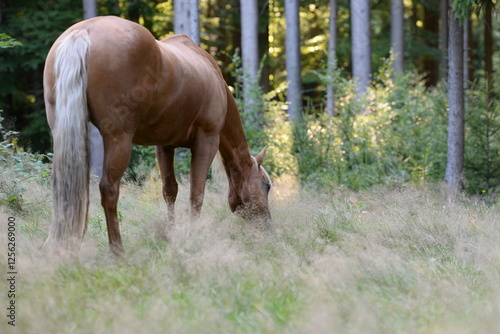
(178, 122)
(162, 136)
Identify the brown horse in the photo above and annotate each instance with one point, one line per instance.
(137, 90)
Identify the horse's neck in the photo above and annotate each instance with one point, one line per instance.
(233, 145)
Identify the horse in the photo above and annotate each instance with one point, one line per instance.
(137, 90)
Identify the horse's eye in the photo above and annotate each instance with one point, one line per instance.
(267, 186)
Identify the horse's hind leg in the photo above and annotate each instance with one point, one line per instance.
(165, 157)
(117, 151)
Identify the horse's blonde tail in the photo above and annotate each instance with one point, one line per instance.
(70, 139)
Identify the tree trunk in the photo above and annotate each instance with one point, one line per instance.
(194, 21)
(332, 58)
(249, 52)
(186, 19)
(89, 9)
(397, 34)
(293, 60)
(361, 46)
(181, 17)
(454, 164)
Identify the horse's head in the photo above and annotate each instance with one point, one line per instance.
(252, 201)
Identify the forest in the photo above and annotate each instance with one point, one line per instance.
(382, 123)
(366, 115)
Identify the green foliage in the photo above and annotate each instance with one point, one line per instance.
(17, 167)
(461, 8)
(143, 160)
(482, 149)
(8, 42)
(399, 136)
(279, 135)
(36, 24)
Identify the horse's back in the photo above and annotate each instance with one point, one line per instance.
(161, 92)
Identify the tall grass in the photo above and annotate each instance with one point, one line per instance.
(384, 260)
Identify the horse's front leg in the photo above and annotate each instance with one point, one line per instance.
(117, 151)
(165, 157)
(202, 155)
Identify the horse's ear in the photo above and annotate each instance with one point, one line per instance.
(260, 157)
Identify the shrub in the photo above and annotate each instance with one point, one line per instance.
(399, 136)
(482, 149)
(17, 167)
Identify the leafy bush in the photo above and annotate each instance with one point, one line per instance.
(18, 166)
(279, 136)
(143, 160)
(482, 149)
(22, 165)
(8, 42)
(395, 134)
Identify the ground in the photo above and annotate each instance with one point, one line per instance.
(384, 260)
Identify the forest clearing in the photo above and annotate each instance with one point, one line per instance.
(384, 260)
(377, 122)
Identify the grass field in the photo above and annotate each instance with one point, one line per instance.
(385, 260)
